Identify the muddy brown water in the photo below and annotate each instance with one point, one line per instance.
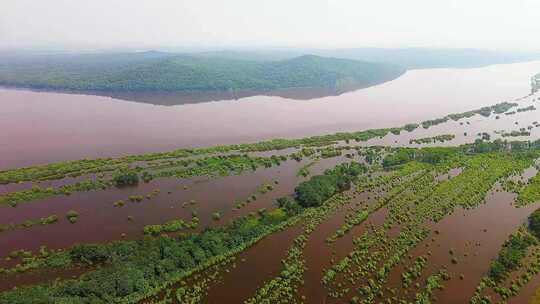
(43, 127)
(254, 268)
(48, 127)
(319, 254)
(475, 236)
(44, 276)
(100, 221)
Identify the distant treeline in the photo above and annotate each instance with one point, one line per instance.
(409, 58)
(535, 83)
(166, 72)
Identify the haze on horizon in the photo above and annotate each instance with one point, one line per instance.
(106, 24)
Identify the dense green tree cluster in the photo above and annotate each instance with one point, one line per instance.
(136, 268)
(427, 155)
(289, 205)
(319, 188)
(510, 256)
(433, 155)
(534, 223)
(125, 178)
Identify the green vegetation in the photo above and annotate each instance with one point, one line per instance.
(321, 187)
(509, 259)
(516, 133)
(519, 255)
(534, 223)
(434, 139)
(37, 193)
(412, 200)
(426, 155)
(283, 288)
(526, 109)
(406, 189)
(138, 269)
(51, 219)
(86, 166)
(411, 127)
(206, 166)
(433, 282)
(72, 216)
(330, 152)
(216, 216)
(433, 122)
(183, 73)
(485, 111)
(262, 189)
(125, 178)
(530, 193)
(304, 171)
(133, 270)
(171, 226)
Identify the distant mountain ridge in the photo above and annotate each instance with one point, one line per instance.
(169, 72)
(426, 58)
(409, 58)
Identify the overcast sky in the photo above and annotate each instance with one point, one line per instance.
(90, 24)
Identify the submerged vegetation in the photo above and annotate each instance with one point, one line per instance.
(377, 210)
(319, 188)
(131, 272)
(134, 270)
(485, 111)
(51, 219)
(125, 178)
(433, 139)
(519, 255)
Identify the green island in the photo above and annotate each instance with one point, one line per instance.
(170, 72)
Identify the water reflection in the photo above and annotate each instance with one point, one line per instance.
(41, 127)
(179, 98)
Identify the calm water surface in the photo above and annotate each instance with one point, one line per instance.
(40, 127)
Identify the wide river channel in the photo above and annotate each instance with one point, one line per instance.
(40, 127)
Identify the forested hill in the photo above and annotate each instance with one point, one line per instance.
(156, 71)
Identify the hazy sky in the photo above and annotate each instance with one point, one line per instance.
(501, 24)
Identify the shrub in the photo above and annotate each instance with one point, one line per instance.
(319, 188)
(534, 223)
(125, 178)
(89, 253)
(72, 216)
(289, 205)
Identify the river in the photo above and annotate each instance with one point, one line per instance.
(40, 127)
